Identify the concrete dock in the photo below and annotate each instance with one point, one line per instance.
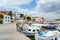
(8, 32)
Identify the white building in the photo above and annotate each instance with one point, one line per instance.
(36, 18)
(7, 19)
(17, 15)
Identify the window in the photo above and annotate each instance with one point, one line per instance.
(29, 29)
(6, 17)
(8, 20)
(33, 30)
(37, 30)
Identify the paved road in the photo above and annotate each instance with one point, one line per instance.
(8, 32)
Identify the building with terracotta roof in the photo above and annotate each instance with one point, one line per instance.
(3, 12)
(4, 17)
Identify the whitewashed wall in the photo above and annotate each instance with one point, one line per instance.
(7, 19)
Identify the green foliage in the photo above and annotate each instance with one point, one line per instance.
(24, 17)
(29, 18)
(1, 22)
(21, 15)
(10, 13)
(1, 16)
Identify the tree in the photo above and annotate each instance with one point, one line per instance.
(29, 18)
(22, 16)
(10, 13)
(1, 16)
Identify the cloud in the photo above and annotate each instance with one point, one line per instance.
(49, 9)
(48, 5)
(13, 4)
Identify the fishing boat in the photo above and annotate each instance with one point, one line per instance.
(30, 29)
(48, 32)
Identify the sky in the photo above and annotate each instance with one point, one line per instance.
(49, 9)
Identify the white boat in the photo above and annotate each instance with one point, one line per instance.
(30, 30)
(48, 34)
